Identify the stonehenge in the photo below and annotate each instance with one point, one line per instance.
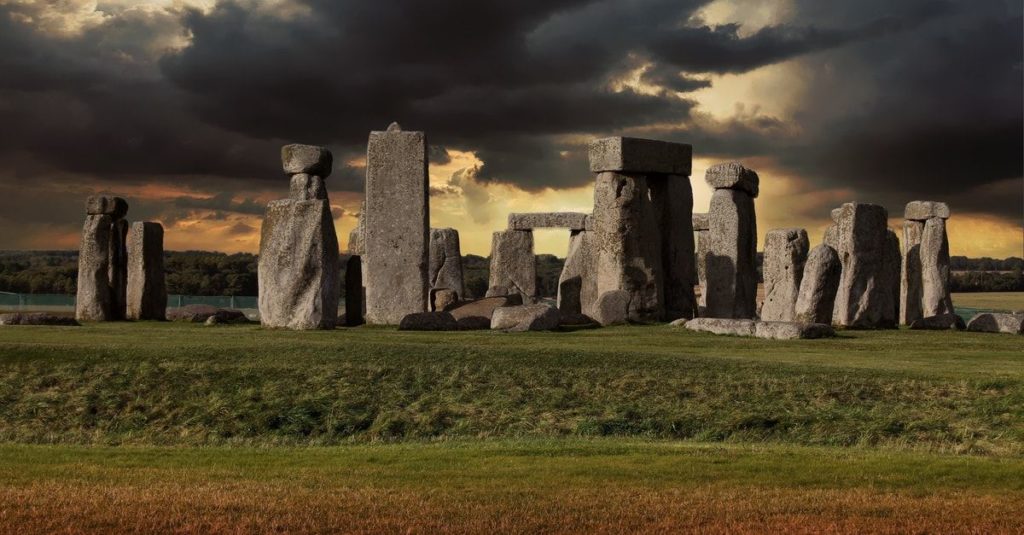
(867, 293)
(818, 286)
(732, 252)
(513, 265)
(396, 232)
(93, 300)
(355, 282)
(298, 262)
(785, 253)
(146, 293)
(445, 261)
(702, 228)
(577, 284)
(924, 279)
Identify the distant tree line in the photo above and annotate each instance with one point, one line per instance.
(213, 274)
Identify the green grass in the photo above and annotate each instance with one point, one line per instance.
(1009, 301)
(180, 384)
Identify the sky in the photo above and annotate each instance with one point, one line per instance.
(181, 107)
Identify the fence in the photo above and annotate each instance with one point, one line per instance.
(66, 303)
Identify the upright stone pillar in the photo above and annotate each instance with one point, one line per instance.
(118, 269)
(818, 287)
(147, 290)
(925, 281)
(397, 225)
(785, 252)
(102, 260)
(445, 262)
(355, 288)
(910, 272)
(642, 227)
(513, 265)
(731, 264)
(577, 284)
(298, 262)
(702, 228)
(865, 298)
(935, 295)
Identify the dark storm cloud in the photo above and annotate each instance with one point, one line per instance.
(224, 202)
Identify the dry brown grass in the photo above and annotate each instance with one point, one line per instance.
(260, 508)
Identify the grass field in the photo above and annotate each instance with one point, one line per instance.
(1009, 301)
(185, 428)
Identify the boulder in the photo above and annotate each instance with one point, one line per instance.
(305, 187)
(530, 221)
(785, 253)
(306, 159)
(147, 291)
(991, 322)
(731, 270)
(942, 322)
(634, 155)
(935, 295)
(818, 286)
(445, 262)
(93, 301)
(477, 314)
(428, 321)
(202, 313)
(577, 284)
(737, 327)
(577, 320)
(612, 308)
(792, 330)
(115, 207)
(925, 210)
(513, 265)
(20, 318)
(443, 299)
(681, 322)
(539, 317)
(733, 175)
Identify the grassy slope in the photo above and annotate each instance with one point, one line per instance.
(990, 300)
(173, 384)
(533, 486)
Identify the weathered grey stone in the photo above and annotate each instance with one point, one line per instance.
(935, 294)
(355, 293)
(681, 322)
(925, 210)
(428, 321)
(818, 286)
(831, 237)
(93, 300)
(577, 284)
(530, 221)
(792, 330)
(117, 268)
(835, 214)
(202, 313)
(866, 297)
(701, 222)
(147, 291)
(991, 322)
(37, 318)
(539, 317)
(785, 253)
(942, 322)
(910, 273)
(633, 155)
(733, 175)
(307, 188)
(472, 315)
(629, 244)
(356, 244)
(115, 207)
(396, 230)
(703, 248)
(731, 270)
(307, 159)
(893, 265)
(513, 265)
(673, 202)
(577, 320)
(443, 299)
(612, 307)
(445, 263)
(299, 266)
(737, 327)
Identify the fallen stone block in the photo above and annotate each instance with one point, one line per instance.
(737, 327)
(942, 322)
(634, 155)
(443, 299)
(539, 317)
(306, 159)
(925, 210)
(202, 313)
(473, 315)
(681, 322)
(577, 320)
(612, 308)
(990, 322)
(792, 330)
(20, 318)
(733, 175)
(530, 221)
(428, 321)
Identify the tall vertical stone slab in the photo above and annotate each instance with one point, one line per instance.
(147, 290)
(818, 286)
(910, 273)
(785, 253)
(397, 225)
(865, 298)
(445, 262)
(672, 196)
(117, 269)
(702, 229)
(513, 265)
(92, 302)
(354, 292)
(577, 284)
(935, 294)
(732, 256)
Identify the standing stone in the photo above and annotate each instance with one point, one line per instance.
(893, 266)
(785, 252)
(731, 269)
(117, 269)
(865, 298)
(445, 263)
(147, 291)
(298, 266)
(815, 302)
(673, 198)
(702, 227)
(355, 306)
(397, 225)
(935, 295)
(93, 300)
(577, 284)
(307, 188)
(513, 265)
(910, 273)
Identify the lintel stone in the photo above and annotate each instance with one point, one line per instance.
(567, 220)
(733, 175)
(634, 155)
(925, 210)
(308, 159)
